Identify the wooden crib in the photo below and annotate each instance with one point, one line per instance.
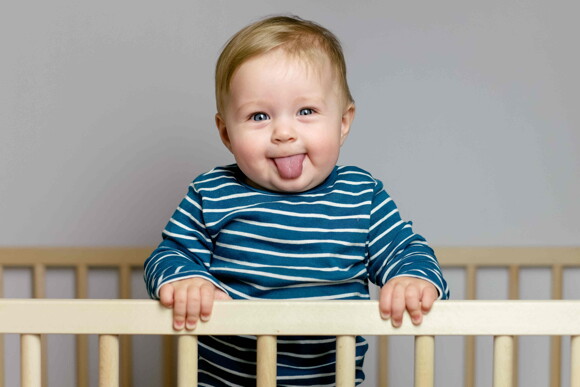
(115, 320)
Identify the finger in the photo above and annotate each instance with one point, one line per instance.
(206, 301)
(179, 308)
(430, 294)
(166, 295)
(221, 295)
(398, 305)
(385, 301)
(193, 307)
(413, 304)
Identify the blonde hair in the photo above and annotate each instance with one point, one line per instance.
(296, 36)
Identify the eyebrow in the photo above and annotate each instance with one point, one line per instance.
(318, 100)
(248, 105)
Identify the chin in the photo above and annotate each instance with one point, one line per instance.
(294, 185)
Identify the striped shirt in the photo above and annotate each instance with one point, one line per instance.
(322, 244)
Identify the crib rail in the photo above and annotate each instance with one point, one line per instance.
(514, 260)
(127, 260)
(504, 320)
(81, 259)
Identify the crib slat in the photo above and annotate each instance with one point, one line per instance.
(124, 281)
(2, 360)
(82, 353)
(424, 361)
(471, 288)
(575, 361)
(108, 361)
(514, 294)
(39, 291)
(514, 282)
(187, 361)
(38, 284)
(383, 363)
(345, 361)
(503, 361)
(556, 341)
(1, 335)
(469, 361)
(31, 364)
(82, 341)
(266, 361)
(169, 361)
(555, 361)
(126, 342)
(81, 281)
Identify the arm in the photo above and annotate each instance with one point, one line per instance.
(401, 263)
(177, 272)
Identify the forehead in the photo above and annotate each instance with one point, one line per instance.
(278, 77)
(280, 62)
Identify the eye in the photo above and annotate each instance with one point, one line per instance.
(260, 116)
(305, 112)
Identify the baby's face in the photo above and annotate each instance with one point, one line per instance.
(285, 120)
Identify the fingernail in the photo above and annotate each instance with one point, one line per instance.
(178, 325)
(204, 318)
(190, 325)
(385, 316)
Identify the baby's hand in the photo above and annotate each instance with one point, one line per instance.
(191, 300)
(410, 293)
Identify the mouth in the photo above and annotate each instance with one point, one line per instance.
(289, 167)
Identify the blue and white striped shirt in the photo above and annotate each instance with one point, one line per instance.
(323, 244)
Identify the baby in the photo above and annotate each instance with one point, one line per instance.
(285, 222)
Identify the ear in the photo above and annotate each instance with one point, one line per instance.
(346, 121)
(222, 129)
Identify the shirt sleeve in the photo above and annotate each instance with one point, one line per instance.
(395, 250)
(186, 249)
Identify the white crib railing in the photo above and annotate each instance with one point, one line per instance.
(128, 261)
(504, 320)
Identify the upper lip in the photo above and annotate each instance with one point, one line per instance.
(286, 155)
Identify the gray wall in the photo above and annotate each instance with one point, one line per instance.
(469, 112)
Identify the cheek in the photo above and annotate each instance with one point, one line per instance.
(325, 146)
(246, 149)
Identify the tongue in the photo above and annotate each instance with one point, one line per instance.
(289, 167)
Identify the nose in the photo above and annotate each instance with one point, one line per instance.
(283, 132)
